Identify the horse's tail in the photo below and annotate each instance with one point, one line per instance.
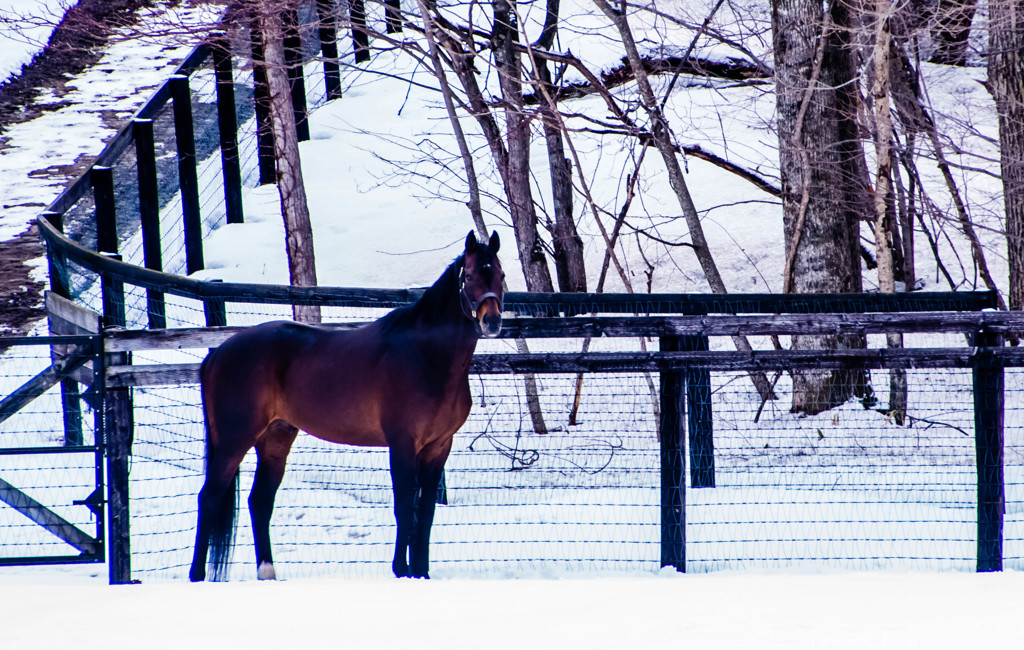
(222, 532)
(222, 518)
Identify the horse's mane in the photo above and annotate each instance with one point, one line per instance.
(433, 302)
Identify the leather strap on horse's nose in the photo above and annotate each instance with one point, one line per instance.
(481, 299)
(470, 307)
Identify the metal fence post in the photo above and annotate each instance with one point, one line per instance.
(261, 106)
(102, 179)
(988, 440)
(215, 310)
(360, 37)
(673, 476)
(393, 16)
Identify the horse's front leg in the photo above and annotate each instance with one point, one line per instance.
(403, 484)
(431, 468)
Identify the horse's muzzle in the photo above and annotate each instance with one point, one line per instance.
(488, 316)
(490, 325)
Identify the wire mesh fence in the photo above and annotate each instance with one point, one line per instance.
(845, 489)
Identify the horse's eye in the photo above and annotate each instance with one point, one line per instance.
(469, 278)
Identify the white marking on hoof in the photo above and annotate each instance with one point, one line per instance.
(266, 572)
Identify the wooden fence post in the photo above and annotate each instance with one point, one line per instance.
(261, 106)
(328, 33)
(69, 392)
(55, 260)
(149, 215)
(112, 290)
(673, 476)
(188, 175)
(296, 78)
(118, 428)
(102, 179)
(988, 440)
(360, 37)
(227, 122)
(699, 417)
(393, 16)
(215, 311)
(117, 402)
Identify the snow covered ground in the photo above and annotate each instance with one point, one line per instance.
(877, 611)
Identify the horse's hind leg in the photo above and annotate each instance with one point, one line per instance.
(271, 453)
(216, 513)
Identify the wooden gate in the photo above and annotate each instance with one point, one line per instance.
(54, 479)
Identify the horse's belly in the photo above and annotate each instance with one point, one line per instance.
(344, 427)
(356, 438)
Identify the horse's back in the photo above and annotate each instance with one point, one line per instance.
(259, 352)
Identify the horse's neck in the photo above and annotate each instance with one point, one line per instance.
(441, 321)
(449, 327)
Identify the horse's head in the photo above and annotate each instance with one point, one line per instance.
(481, 284)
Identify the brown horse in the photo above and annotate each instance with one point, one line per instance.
(401, 382)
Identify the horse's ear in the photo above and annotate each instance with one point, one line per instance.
(494, 243)
(471, 242)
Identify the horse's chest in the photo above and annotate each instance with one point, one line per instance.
(436, 403)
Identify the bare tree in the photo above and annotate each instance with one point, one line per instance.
(663, 141)
(290, 185)
(824, 186)
(884, 192)
(570, 269)
(1006, 83)
(508, 64)
(448, 95)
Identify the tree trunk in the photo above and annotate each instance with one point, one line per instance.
(517, 129)
(569, 266)
(290, 186)
(823, 176)
(883, 193)
(570, 269)
(951, 29)
(1006, 83)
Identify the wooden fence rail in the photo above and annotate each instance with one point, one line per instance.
(643, 326)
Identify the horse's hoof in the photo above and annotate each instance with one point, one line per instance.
(266, 572)
(197, 575)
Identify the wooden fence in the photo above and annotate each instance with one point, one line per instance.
(686, 424)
